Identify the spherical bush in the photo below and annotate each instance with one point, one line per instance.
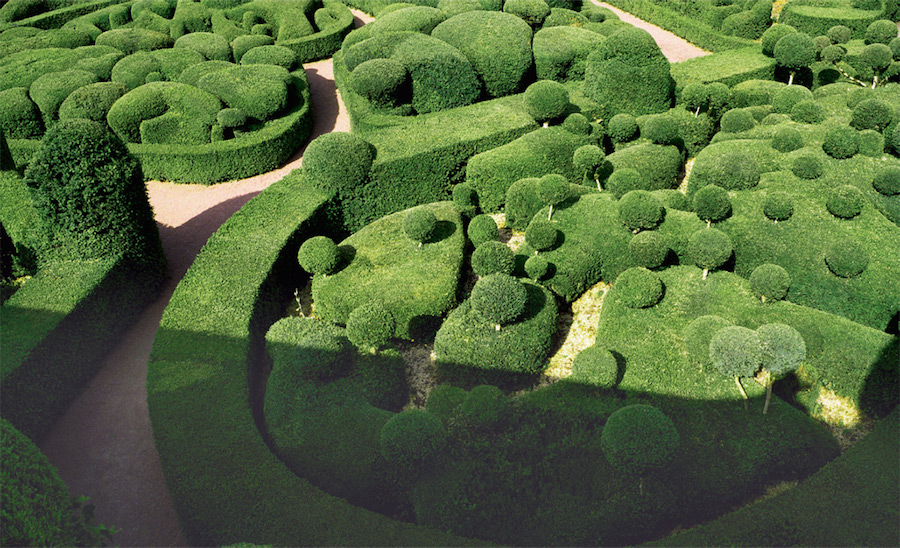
(845, 201)
(482, 228)
(638, 439)
(839, 34)
(895, 48)
(709, 248)
(695, 96)
(846, 258)
(444, 400)
(697, 335)
(493, 257)
(638, 287)
(482, 406)
(871, 143)
(872, 114)
(807, 166)
(369, 326)
(532, 12)
(546, 100)
(622, 181)
(498, 298)
(337, 161)
(821, 42)
(411, 438)
(380, 81)
(778, 206)
(622, 127)
(877, 56)
(881, 31)
(783, 348)
(711, 203)
(541, 234)
(841, 142)
(640, 210)
(587, 160)
(319, 255)
(737, 120)
(795, 51)
(787, 139)
(887, 180)
(537, 267)
(833, 54)
(807, 112)
(307, 348)
(553, 188)
(785, 98)
(660, 129)
(772, 35)
(648, 249)
(577, 123)
(465, 198)
(419, 224)
(736, 351)
(596, 366)
(858, 95)
(739, 171)
(770, 282)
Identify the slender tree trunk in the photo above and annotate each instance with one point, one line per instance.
(497, 327)
(551, 212)
(597, 180)
(791, 79)
(705, 272)
(697, 112)
(708, 223)
(741, 388)
(763, 297)
(875, 82)
(768, 396)
(546, 124)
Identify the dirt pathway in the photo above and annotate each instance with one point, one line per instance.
(673, 47)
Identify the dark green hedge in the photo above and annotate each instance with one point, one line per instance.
(64, 11)
(815, 20)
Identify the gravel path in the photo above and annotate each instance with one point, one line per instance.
(673, 47)
(103, 444)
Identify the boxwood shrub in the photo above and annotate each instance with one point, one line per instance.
(841, 142)
(638, 287)
(845, 201)
(770, 281)
(561, 52)
(648, 249)
(640, 210)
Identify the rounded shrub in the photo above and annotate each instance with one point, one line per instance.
(709, 248)
(770, 282)
(546, 100)
(698, 333)
(492, 257)
(622, 181)
(639, 439)
(465, 198)
(845, 201)
(638, 287)
(92, 101)
(49, 91)
(640, 210)
(719, 98)
(419, 224)
(522, 202)
(132, 71)
(881, 31)
(783, 348)
(553, 189)
(872, 114)
(455, 7)
(807, 166)
(271, 55)
(369, 326)
(841, 142)
(821, 43)
(308, 348)
(622, 127)
(244, 43)
(877, 56)
(858, 95)
(795, 51)
(871, 143)
(541, 234)
(130, 40)
(444, 401)
(19, 116)
(482, 228)
(833, 54)
(661, 129)
(785, 98)
(774, 118)
(778, 206)
(846, 258)
(482, 406)
(673, 199)
(772, 35)
(577, 123)
(498, 298)
(895, 48)
(712, 204)
(319, 255)
(262, 91)
(736, 351)
(887, 180)
(232, 118)
(737, 120)
(595, 366)
(412, 438)
(587, 160)
(787, 139)
(807, 112)
(537, 267)
(839, 34)
(336, 162)
(732, 170)
(382, 82)
(648, 249)
(532, 12)
(695, 96)
(212, 46)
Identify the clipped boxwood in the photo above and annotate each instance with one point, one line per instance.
(712, 204)
(697, 335)
(638, 287)
(841, 142)
(411, 438)
(595, 366)
(546, 100)
(770, 282)
(887, 181)
(492, 257)
(737, 120)
(845, 201)
(482, 229)
(778, 206)
(648, 249)
(787, 139)
(846, 258)
(640, 210)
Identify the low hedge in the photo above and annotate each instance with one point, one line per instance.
(17, 12)
(729, 67)
(816, 20)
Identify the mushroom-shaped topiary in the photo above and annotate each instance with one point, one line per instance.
(382, 82)
(587, 160)
(771, 37)
(638, 287)
(541, 234)
(319, 255)
(770, 282)
(499, 299)
(712, 204)
(846, 258)
(881, 31)
(482, 228)
(872, 114)
(694, 97)
(839, 34)
(577, 123)
(624, 180)
(639, 439)
(536, 267)
(736, 351)
(492, 257)
(808, 112)
(553, 189)
(877, 57)
(369, 326)
(336, 162)
(787, 139)
(783, 351)
(595, 366)
(807, 166)
(622, 127)
(661, 129)
(785, 98)
(419, 224)
(795, 51)
(648, 249)
(465, 198)
(640, 210)
(546, 100)
(887, 180)
(841, 142)
(833, 54)
(821, 43)
(412, 438)
(737, 120)
(709, 248)
(697, 335)
(845, 201)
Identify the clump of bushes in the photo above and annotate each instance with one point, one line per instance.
(772, 35)
(845, 201)
(319, 255)
(846, 258)
(499, 299)
(648, 249)
(841, 142)
(492, 257)
(638, 287)
(785, 98)
(770, 282)
(411, 439)
(640, 210)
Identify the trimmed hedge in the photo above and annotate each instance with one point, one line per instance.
(561, 52)
(817, 20)
(638, 287)
(658, 165)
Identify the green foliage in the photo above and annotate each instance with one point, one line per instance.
(232, 118)
(412, 438)
(736, 351)
(881, 31)
(444, 400)
(660, 129)
(640, 210)
(465, 199)
(871, 143)
(309, 348)
(795, 51)
(131, 40)
(498, 298)
(50, 90)
(319, 255)
(771, 36)
(887, 180)
(370, 326)
(92, 101)
(783, 348)
(699, 333)
(648, 249)
(839, 34)
(164, 112)
(383, 82)
(336, 163)
(845, 201)
(522, 202)
(779, 206)
(541, 234)
(243, 44)
(710, 248)
(532, 12)
(658, 165)
(259, 90)
(833, 54)
(841, 142)
(787, 138)
(807, 112)
(482, 229)
(639, 439)
(537, 267)
(846, 258)
(737, 120)
(588, 159)
(561, 52)
(553, 189)
(212, 46)
(638, 287)
(731, 167)
(770, 282)
(622, 181)
(482, 406)
(695, 96)
(785, 98)
(546, 100)
(271, 55)
(807, 166)
(19, 116)
(132, 71)
(492, 257)
(872, 114)
(596, 366)
(622, 127)
(419, 224)
(711, 203)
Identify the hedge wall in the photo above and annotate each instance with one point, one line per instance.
(65, 11)
(728, 67)
(815, 20)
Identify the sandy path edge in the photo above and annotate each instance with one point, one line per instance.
(674, 47)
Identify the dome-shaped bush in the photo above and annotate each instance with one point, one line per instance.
(895, 48)
(537, 267)
(308, 348)
(858, 95)
(778, 206)
(807, 112)
(541, 234)
(577, 123)
(841, 142)
(587, 160)
(319, 255)
(697, 335)
(498, 298)
(661, 129)
(807, 166)
(595, 366)
(553, 189)
(640, 210)
(774, 118)
(712, 204)
(785, 98)
(770, 282)
(465, 198)
(444, 400)
(622, 127)
(709, 248)
(522, 203)
(695, 96)
(872, 114)
(821, 43)
(19, 116)
(783, 348)
(871, 143)
(624, 180)
(887, 180)
(411, 438)
(639, 439)
(648, 249)
(369, 326)
(738, 170)
(419, 224)
(881, 31)
(736, 351)
(482, 228)
(877, 56)
(383, 82)
(839, 34)
(493, 257)
(846, 258)
(845, 201)
(92, 101)
(546, 100)
(455, 7)
(532, 12)
(231, 117)
(49, 90)
(482, 406)
(212, 46)
(787, 139)
(271, 55)
(795, 51)
(638, 287)
(737, 120)
(336, 162)
(833, 54)
(772, 35)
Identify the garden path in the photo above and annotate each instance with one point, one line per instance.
(103, 444)
(673, 47)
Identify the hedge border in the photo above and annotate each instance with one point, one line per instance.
(323, 44)
(816, 21)
(59, 17)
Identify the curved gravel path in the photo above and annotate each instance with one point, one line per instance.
(103, 444)
(673, 47)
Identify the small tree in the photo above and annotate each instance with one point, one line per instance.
(640, 210)
(736, 351)
(482, 228)
(639, 439)
(709, 249)
(499, 299)
(694, 97)
(783, 350)
(493, 257)
(553, 190)
(546, 100)
(369, 326)
(419, 224)
(541, 235)
(319, 255)
(795, 51)
(770, 281)
(588, 159)
(711, 203)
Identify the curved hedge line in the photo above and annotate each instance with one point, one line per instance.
(66, 11)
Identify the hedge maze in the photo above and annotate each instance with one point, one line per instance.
(736, 215)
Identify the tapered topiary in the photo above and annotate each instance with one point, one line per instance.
(411, 439)
(482, 228)
(771, 37)
(588, 159)
(541, 234)
(841, 142)
(770, 282)
(736, 352)
(465, 199)
(695, 97)
(795, 51)
(639, 439)
(881, 31)
(709, 249)
(887, 180)
(872, 114)
(787, 139)
(546, 100)
(846, 258)
(661, 129)
(595, 366)
(319, 255)
(697, 335)
(370, 326)
(783, 350)
(807, 166)
(419, 225)
(638, 287)
(499, 299)
(622, 127)
(648, 249)
(712, 204)
(553, 189)
(624, 180)
(640, 210)
(845, 201)
(536, 267)
(492, 257)
(737, 120)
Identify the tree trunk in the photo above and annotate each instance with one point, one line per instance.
(597, 179)
(741, 388)
(697, 112)
(768, 396)
(708, 223)
(497, 327)
(791, 79)
(551, 212)
(875, 82)
(763, 297)
(705, 272)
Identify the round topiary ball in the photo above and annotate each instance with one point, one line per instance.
(871, 143)
(845, 201)
(697, 335)
(807, 166)
(587, 160)
(785, 98)
(795, 51)
(369, 326)
(858, 95)
(778, 206)
(833, 54)
(595, 366)
(872, 114)
(492, 257)
(624, 180)
(638, 287)
(638, 439)
(821, 42)
(537, 267)
(622, 127)
(877, 56)
(661, 129)
(380, 81)
(444, 400)
(482, 228)
(482, 406)
(465, 198)
(887, 180)
(807, 112)
(337, 161)
(846, 258)
(839, 34)
(419, 224)
(787, 139)
(411, 438)
(712, 204)
(737, 120)
(553, 189)
(319, 255)
(304, 347)
(541, 234)
(695, 96)
(739, 170)
(577, 123)
(546, 100)
(640, 210)
(648, 249)
(736, 351)
(771, 36)
(709, 248)
(895, 48)
(498, 298)
(770, 282)
(881, 31)
(841, 142)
